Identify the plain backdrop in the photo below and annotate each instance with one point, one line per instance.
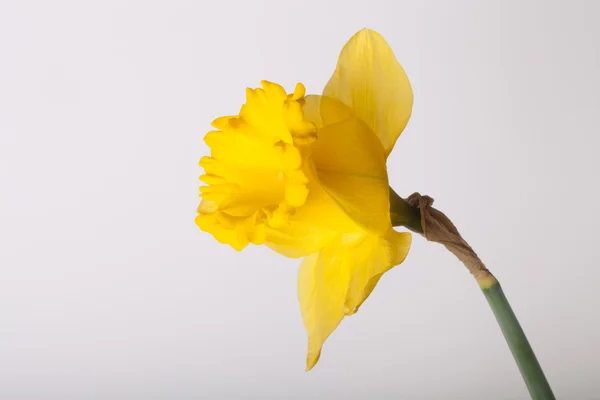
(108, 290)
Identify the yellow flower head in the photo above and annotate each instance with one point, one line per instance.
(306, 176)
(255, 172)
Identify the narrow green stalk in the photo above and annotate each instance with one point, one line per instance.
(403, 214)
(532, 373)
(440, 229)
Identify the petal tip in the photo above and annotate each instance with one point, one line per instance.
(366, 34)
(369, 79)
(312, 359)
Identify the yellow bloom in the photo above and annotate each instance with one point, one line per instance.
(306, 176)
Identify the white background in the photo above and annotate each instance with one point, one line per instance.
(108, 290)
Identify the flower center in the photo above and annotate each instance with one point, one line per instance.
(255, 174)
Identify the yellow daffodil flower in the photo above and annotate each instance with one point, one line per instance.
(306, 176)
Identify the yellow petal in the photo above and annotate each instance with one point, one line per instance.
(350, 166)
(224, 228)
(296, 239)
(335, 281)
(311, 226)
(323, 110)
(369, 79)
(262, 110)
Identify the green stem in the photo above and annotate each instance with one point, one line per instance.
(532, 373)
(404, 214)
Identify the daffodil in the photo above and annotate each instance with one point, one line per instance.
(306, 176)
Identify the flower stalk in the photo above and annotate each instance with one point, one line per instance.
(530, 368)
(416, 214)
